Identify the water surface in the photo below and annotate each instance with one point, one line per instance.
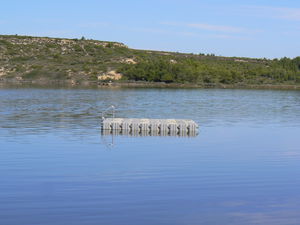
(242, 168)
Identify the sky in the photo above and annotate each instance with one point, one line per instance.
(248, 28)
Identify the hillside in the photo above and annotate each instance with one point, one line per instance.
(40, 58)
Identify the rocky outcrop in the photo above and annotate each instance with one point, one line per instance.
(111, 75)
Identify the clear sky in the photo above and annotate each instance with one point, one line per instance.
(250, 28)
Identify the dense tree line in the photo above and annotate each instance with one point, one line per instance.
(213, 70)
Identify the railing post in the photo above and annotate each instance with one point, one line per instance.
(105, 111)
(113, 111)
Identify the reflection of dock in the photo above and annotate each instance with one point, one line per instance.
(145, 133)
(149, 127)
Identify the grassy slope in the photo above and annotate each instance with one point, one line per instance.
(24, 57)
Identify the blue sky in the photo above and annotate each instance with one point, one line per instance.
(265, 28)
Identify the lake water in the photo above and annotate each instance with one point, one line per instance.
(242, 168)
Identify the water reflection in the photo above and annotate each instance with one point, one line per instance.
(109, 138)
(81, 109)
(244, 167)
(144, 133)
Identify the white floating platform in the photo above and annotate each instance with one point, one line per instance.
(149, 126)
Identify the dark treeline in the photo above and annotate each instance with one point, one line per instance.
(214, 70)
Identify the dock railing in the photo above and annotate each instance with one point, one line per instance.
(105, 112)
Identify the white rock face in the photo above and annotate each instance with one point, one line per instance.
(111, 75)
(128, 61)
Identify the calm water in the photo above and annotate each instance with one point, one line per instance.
(242, 168)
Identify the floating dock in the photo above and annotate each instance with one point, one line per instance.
(153, 127)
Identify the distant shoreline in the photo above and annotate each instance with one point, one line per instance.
(137, 84)
(46, 61)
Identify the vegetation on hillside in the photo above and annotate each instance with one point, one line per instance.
(211, 69)
(23, 57)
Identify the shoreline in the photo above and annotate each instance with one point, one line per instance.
(139, 84)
